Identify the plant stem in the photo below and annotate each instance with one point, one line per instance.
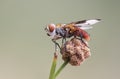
(53, 67)
(61, 68)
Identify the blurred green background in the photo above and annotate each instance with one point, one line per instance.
(26, 51)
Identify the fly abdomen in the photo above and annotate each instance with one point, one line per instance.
(83, 34)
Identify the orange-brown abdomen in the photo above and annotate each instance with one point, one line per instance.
(84, 34)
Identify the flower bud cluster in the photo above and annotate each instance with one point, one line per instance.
(76, 51)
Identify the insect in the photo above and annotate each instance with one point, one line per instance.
(76, 29)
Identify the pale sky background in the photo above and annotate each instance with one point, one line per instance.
(26, 51)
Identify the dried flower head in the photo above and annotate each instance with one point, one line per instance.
(76, 51)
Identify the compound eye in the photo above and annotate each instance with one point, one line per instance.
(51, 27)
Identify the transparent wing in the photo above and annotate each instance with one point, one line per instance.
(86, 24)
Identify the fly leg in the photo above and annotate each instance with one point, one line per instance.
(84, 43)
(56, 51)
(81, 38)
(63, 40)
(56, 45)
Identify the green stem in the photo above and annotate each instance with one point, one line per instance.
(61, 68)
(53, 67)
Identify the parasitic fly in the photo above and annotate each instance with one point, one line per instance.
(76, 29)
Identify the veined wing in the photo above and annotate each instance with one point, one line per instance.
(86, 24)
